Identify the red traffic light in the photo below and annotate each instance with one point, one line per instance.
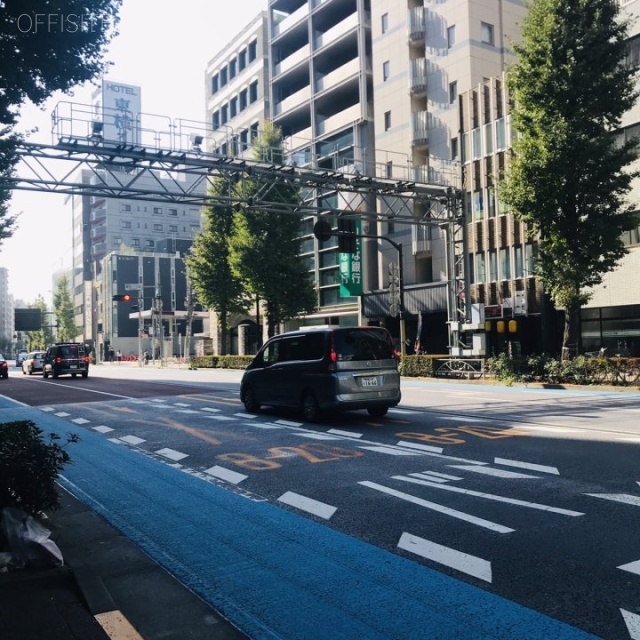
(122, 297)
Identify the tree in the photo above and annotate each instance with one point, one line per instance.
(45, 46)
(265, 247)
(217, 287)
(569, 173)
(40, 340)
(63, 310)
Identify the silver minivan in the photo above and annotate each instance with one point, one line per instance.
(325, 368)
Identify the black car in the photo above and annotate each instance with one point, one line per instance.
(64, 358)
(4, 368)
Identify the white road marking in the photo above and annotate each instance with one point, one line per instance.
(350, 434)
(471, 565)
(633, 567)
(132, 440)
(309, 505)
(424, 476)
(226, 474)
(526, 465)
(47, 409)
(491, 496)
(262, 425)
(489, 471)
(438, 507)
(221, 418)
(464, 419)
(62, 414)
(632, 620)
(248, 416)
(181, 404)
(551, 429)
(288, 423)
(442, 475)
(422, 447)
(115, 440)
(390, 451)
(625, 498)
(172, 454)
(80, 420)
(405, 412)
(158, 399)
(211, 409)
(103, 429)
(186, 411)
(316, 436)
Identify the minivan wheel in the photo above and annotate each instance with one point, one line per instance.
(310, 409)
(84, 374)
(45, 374)
(249, 401)
(54, 374)
(377, 412)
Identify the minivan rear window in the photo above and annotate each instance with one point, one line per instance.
(363, 344)
(70, 351)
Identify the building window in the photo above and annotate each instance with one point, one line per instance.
(157, 210)
(242, 60)
(453, 92)
(486, 33)
(253, 132)
(253, 92)
(149, 244)
(215, 123)
(243, 99)
(157, 227)
(215, 83)
(223, 76)
(244, 140)
(493, 265)
(480, 271)
(224, 114)
(232, 69)
(125, 207)
(505, 264)
(501, 136)
(478, 205)
(135, 242)
(519, 266)
(233, 107)
(173, 228)
(387, 120)
(385, 71)
(385, 22)
(389, 169)
(172, 212)
(451, 36)
(454, 148)
(125, 224)
(253, 50)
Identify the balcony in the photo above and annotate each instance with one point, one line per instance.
(98, 232)
(294, 100)
(338, 75)
(421, 239)
(292, 60)
(98, 215)
(418, 76)
(420, 128)
(336, 32)
(416, 26)
(98, 250)
(340, 120)
(290, 21)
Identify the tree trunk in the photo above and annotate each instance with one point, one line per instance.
(570, 338)
(223, 325)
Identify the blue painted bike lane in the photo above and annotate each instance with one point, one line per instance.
(275, 574)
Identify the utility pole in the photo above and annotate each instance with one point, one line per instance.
(189, 302)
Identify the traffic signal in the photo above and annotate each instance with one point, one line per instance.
(122, 297)
(347, 238)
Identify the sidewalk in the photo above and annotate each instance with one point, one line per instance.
(108, 588)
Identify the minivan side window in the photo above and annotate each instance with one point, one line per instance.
(271, 352)
(304, 347)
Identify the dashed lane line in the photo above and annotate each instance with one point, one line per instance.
(315, 507)
(172, 454)
(526, 465)
(632, 620)
(226, 474)
(490, 471)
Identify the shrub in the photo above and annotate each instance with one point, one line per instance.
(29, 467)
(418, 366)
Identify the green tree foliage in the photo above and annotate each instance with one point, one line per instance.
(265, 247)
(216, 286)
(63, 310)
(45, 46)
(44, 337)
(569, 175)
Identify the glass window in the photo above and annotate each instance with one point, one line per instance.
(242, 60)
(173, 228)
(244, 99)
(233, 107)
(363, 344)
(253, 92)
(232, 69)
(454, 148)
(385, 22)
(465, 147)
(493, 265)
(488, 138)
(216, 120)
(519, 264)
(157, 227)
(172, 212)
(476, 135)
(453, 92)
(505, 264)
(157, 210)
(387, 120)
(253, 50)
(389, 169)
(215, 83)
(223, 76)
(501, 137)
(481, 269)
(486, 33)
(530, 259)
(385, 70)
(478, 205)
(451, 36)
(224, 114)
(491, 203)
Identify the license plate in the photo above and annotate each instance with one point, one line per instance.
(73, 366)
(369, 382)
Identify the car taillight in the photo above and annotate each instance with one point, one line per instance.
(3, 365)
(86, 359)
(58, 360)
(396, 354)
(333, 356)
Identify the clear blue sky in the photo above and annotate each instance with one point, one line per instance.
(163, 47)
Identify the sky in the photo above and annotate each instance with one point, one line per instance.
(164, 48)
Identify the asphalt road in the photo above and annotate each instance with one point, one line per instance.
(529, 496)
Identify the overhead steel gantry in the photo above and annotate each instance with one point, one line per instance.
(177, 176)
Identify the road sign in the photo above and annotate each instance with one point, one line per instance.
(131, 287)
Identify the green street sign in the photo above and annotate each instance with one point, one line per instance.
(350, 265)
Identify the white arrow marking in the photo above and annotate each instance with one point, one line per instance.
(633, 567)
(632, 620)
(625, 498)
(471, 565)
